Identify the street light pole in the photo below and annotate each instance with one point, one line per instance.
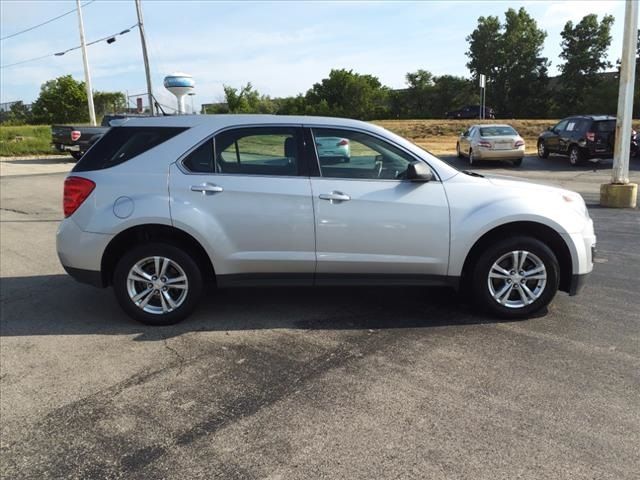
(145, 57)
(621, 193)
(85, 60)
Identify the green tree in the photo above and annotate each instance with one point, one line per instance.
(109, 102)
(348, 94)
(451, 92)
(18, 114)
(291, 105)
(584, 51)
(62, 100)
(419, 94)
(247, 100)
(510, 55)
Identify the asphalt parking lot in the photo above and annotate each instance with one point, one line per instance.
(348, 383)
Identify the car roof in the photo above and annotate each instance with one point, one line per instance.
(482, 125)
(227, 120)
(593, 117)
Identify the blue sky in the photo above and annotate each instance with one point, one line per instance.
(281, 47)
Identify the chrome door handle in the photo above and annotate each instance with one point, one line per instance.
(335, 197)
(207, 188)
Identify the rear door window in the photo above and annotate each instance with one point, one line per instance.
(259, 151)
(120, 144)
(201, 159)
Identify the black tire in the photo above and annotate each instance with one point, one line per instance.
(481, 282)
(346, 159)
(517, 162)
(458, 152)
(76, 155)
(182, 259)
(576, 157)
(542, 149)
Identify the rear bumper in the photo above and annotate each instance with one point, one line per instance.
(66, 148)
(482, 154)
(80, 252)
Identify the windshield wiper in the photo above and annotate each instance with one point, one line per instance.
(472, 174)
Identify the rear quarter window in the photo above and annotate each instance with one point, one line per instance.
(605, 126)
(121, 144)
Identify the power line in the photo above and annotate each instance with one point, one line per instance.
(44, 23)
(59, 54)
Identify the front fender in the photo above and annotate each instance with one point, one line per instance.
(471, 219)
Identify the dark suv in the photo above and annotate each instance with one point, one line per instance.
(470, 111)
(580, 137)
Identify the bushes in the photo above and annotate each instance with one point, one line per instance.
(25, 140)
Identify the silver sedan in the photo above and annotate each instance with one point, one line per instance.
(491, 142)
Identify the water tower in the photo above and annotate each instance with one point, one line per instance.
(180, 84)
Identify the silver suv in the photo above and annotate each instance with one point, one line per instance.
(161, 206)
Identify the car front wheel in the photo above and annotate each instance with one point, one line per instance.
(516, 277)
(157, 284)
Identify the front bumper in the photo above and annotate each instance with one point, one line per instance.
(577, 283)
(90, 277)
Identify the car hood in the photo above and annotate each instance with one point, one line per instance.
(528, 185)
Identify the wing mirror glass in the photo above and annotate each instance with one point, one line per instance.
(419, 172)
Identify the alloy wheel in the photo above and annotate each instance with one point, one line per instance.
(517, 279)
(157, 285)
(573, 156)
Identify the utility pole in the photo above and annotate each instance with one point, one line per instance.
(87, 74)
(620, 193)
(145, 57)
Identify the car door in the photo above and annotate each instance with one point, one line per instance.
(568, 135)
(372, 223)
(247, 194)
(553, 139)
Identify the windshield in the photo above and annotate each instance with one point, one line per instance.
(499, 131)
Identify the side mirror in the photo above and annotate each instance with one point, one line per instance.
(419, 172)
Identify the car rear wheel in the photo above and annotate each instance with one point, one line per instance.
(157, 284)
(542, 149)
(76, 155)
(575, 156)
(516, 277)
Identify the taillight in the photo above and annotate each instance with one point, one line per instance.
(342, 143)
(519, 143)
(76, 191)
(484, 143)
(591, 136)
(75, 135)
